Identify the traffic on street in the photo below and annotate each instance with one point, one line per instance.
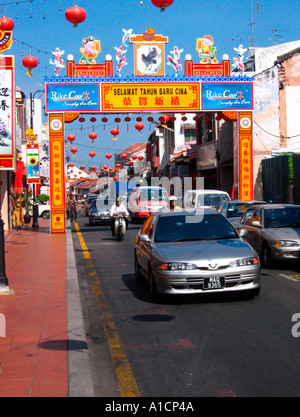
(166, 332)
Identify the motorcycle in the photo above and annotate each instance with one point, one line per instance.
(120, 225)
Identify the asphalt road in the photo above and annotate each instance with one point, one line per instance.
(203, 346)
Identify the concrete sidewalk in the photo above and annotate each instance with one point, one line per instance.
(44, 351)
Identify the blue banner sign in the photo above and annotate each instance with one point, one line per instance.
(227, 96)
(77, 97)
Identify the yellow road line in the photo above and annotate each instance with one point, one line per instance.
(124, 374)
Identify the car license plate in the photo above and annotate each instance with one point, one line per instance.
(213, 283)
(105, 217)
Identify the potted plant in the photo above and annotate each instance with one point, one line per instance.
(27, 205)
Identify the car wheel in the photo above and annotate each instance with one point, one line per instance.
(266, 256)
(46, 214)
(137, 271)
(152, 286)
(90, 222)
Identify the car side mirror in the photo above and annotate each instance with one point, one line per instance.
(144, 238)
(255, 223)
(243, 232)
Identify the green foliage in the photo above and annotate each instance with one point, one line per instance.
(42, 198)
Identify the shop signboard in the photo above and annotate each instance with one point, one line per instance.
(227, 96)
(7, 113)
(72, 97)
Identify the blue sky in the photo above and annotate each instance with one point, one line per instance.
(41, 26)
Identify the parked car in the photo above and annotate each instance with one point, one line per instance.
(188, 253)
(99, 210)
(194, 199)
(144, 201)
(89, 201)
(234, 210)
(273, 231)
(44, 210)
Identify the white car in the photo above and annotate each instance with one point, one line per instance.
(44, 210)
(194, 199)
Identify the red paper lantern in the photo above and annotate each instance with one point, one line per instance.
(81, 119)
(102, 169)
(164, 119)
(207, 118)
(71, 138)
(75, 15)
(162, 4)
(130, 162)
(108, 155)
(105, 166)
(93, 168)
(73, 150)
(124, 156)
(139, 119)
(118, 165)
(140, 157)
(92, 154)
(117, 119)
(184, 118)
(115, 131)
(82, 167)
(104, 119)
(133, 157)
(93, 136)
(127, 119)
(30, 62)
(150, 119)
(71, 164)
(139, 126)
(6, 24)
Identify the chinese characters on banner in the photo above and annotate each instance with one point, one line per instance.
(7, 113)
(57, 174)
(245, 156)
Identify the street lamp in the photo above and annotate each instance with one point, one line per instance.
(3, 277)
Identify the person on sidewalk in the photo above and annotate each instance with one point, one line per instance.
(71, 206)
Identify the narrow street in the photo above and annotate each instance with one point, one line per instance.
(188, 346)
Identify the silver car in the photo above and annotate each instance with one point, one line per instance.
(189, 253)
(273, 231)
(234, 210)
(99, 210)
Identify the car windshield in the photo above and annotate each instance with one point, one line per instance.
(152, 194)
(285, 217)
(237, 209)
(211, 200)
(195, 227)
(102, 203)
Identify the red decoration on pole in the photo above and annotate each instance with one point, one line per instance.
(93, 119)
(118, 166)
(139, 126)
(105, 166)
(124, 156)
(133, 157)
(82, 167)
(75, 15)
(93, 168)
(6, 24)
(162, 4)
(108, 155)
(92, 154)
(140, 157)
(115, 131)
(130, 162)
(30, 62)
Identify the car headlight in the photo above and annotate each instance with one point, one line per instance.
(177, 266)
(244, 262)
(286, 243)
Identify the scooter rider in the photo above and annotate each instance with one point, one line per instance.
(119, 207)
